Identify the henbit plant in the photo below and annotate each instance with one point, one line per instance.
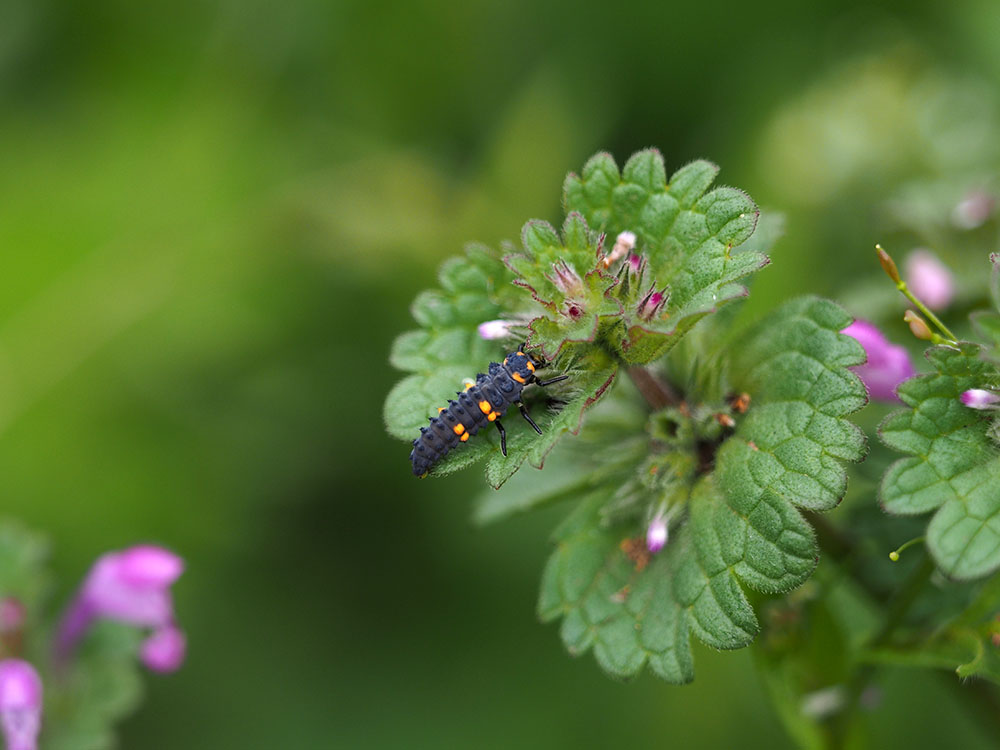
(712, 446)
(84, 663)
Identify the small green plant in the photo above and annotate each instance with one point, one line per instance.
(708, 445)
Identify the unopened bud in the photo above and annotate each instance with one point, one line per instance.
(978, 398)
(650, 305)
(624, 243)
(494, 329)
(565, 279)
(657, 534)
(888, 264)
(918, 326)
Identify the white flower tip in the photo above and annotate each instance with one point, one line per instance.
(624, 243)
(625, 239)
(494, 329)
(656, 535)
(978, 398)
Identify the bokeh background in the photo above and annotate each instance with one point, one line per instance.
(213, 216)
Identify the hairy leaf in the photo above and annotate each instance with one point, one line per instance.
(687, 235)
(954, 466)
(742, 525)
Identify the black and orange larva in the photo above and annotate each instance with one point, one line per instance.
(480, 403)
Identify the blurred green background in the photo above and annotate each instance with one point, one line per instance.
(213, 217)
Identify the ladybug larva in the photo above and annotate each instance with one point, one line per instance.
(480, 403)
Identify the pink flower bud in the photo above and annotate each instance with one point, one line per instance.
(164, 650)
(565, 279)
(888, 364)
(977, 398)
(650, 306)
(973, 210)
(131, 586)
(918, 326)
(494, 329)
(11, 614)
(657, 534)
(634, 263)
(20, 704)
(929, 279)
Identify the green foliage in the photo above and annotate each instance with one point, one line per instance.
(580, 307)
(687, 235)
(738, 524)
(102, 686)
(756, 434)
(966, 643)
(954, 466)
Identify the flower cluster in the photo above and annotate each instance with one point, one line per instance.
(131, 586)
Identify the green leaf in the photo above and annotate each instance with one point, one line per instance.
(987, 323)
(961, 651)
(686, 233)
(447, 349)
(954, 467)
(963, 645)
(792, 444)
(742, 527)
(629, 618)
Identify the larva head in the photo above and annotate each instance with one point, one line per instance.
(520, 366)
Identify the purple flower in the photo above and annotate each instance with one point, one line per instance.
(130, 586)
(20, 704)
(929, 279)
(888, 364)
(977, 398)
(164, 650)
(657, 534)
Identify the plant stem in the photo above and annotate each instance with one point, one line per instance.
(889, 266)
(899, 606)
(901, 286)
(979, 697)
(658, 395)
